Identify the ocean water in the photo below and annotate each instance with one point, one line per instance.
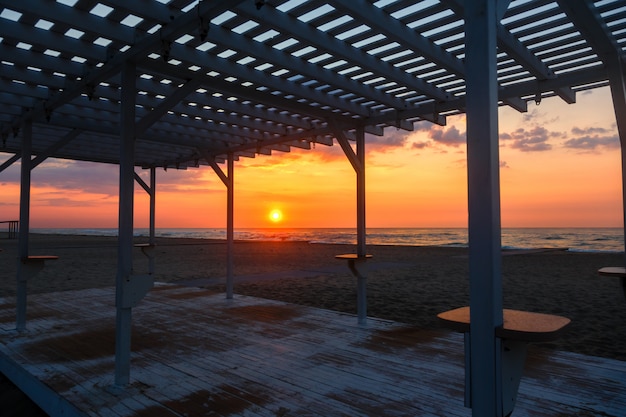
(573, 239)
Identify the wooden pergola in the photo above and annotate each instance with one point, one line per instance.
(180, 84)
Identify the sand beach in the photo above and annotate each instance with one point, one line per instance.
(406, 283)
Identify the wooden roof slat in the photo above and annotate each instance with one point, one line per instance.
(277, 74)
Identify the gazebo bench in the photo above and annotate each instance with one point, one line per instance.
(519, 328)
(615, 271)
(33, 264)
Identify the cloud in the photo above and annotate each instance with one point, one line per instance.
(533, 140)
(448, 137)
(504, 164)
(420, 145)
(592, 138)
(591, 131)
(592, 142)
(392, 139)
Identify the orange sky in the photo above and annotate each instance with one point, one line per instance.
(560, 168)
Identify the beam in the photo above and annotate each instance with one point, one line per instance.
(42, 156)
(347, 149)
(10, 161)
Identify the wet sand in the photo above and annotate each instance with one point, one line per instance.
(406, 284)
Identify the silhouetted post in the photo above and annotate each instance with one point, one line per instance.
(361, 231)
(125, 238)
(617, 80)
(152, 239)
(25, 179)
(484, 207)
(230, 226)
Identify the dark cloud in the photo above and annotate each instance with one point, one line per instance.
(504, 164)
(77, 175)
(97, 178)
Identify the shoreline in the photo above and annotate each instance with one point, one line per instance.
(409, 284)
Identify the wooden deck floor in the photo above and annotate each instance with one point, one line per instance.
(197, 354)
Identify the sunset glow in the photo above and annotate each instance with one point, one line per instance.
(276, 216)
(560, 167)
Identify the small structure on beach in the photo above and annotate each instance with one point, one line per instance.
(177, 84)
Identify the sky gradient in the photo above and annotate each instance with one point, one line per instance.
(560, 167)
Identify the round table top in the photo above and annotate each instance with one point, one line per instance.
(352, 256)
(613, 271)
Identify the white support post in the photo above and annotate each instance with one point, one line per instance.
(230, 226)
(358, 264)
(25, 179)
(125, 239)
(484, 207)
(152, 238)
(617, 80)
(229, 181)
(361, 227)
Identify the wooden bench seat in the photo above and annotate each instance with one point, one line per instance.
(38, 258)
(146, 248)
(518, 329)
(352, 256)
(612, 271)
(615, 271)
(33, 264)
(518, 325)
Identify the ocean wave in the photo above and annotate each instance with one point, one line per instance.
(589, 240)
(580, 250)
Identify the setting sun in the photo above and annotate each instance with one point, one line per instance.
(276, 216)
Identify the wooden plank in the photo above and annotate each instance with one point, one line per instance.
(195, 352)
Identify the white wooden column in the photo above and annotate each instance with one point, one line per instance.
(228, 180)
(230, 226)
(358, 265)
(125, 239)
(617, 79)
(361, 229)
(25, 180)
(152, 238)
(484, 207)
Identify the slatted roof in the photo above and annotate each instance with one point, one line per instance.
(250, 77)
